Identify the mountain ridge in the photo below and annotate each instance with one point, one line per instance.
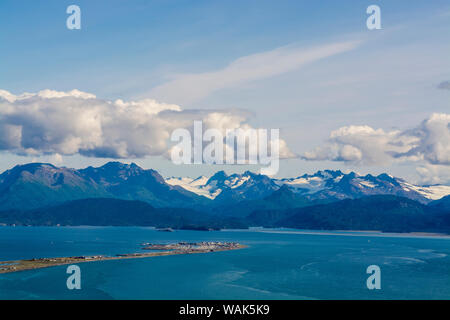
(386, 213)
(40, 184)
(322, 185)
(35, 185)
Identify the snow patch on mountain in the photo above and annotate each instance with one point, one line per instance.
(309, 184)
(236, 182)
(197, 186)
(435, 192)
(367, 184)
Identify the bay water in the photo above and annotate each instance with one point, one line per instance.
(277, 264)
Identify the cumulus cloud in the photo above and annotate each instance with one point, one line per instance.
(433, 174)
(362, 145)
(445, 85)
(433, 140)
(67, 123)
(192, 87)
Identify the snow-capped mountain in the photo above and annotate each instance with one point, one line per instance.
(335, 184)
(327, 184)
(38, 185)
(222, 187)
(197, 185)
(312, 183)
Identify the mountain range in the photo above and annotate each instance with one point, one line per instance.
(37, 185)
(325, 185)
(126, 194)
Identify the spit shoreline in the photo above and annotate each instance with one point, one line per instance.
(163, 250)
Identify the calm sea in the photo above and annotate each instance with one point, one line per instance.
(276, 265)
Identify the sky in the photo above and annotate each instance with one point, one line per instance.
(343, 96)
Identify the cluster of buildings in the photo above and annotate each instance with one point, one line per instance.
(204, 245)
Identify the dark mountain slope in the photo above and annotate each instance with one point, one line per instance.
(131, 182)
(283, 198)
(442, 204)
(116, 212)
(104, 212)
(385, 213)
(38, 184)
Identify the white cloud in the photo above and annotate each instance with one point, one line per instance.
(67, 123)
(434, 140)
(433, 174)
(192, 87)
(56, 158)
(362, 145)
(48, 94)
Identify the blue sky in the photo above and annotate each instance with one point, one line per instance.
(165, 50)
(140, 41)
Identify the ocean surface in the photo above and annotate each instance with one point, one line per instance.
(278, 264)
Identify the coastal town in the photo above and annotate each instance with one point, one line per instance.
(193, 246)
(156, 249)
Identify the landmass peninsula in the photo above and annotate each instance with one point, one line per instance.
(162, 250)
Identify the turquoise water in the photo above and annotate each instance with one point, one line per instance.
(276, 265)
